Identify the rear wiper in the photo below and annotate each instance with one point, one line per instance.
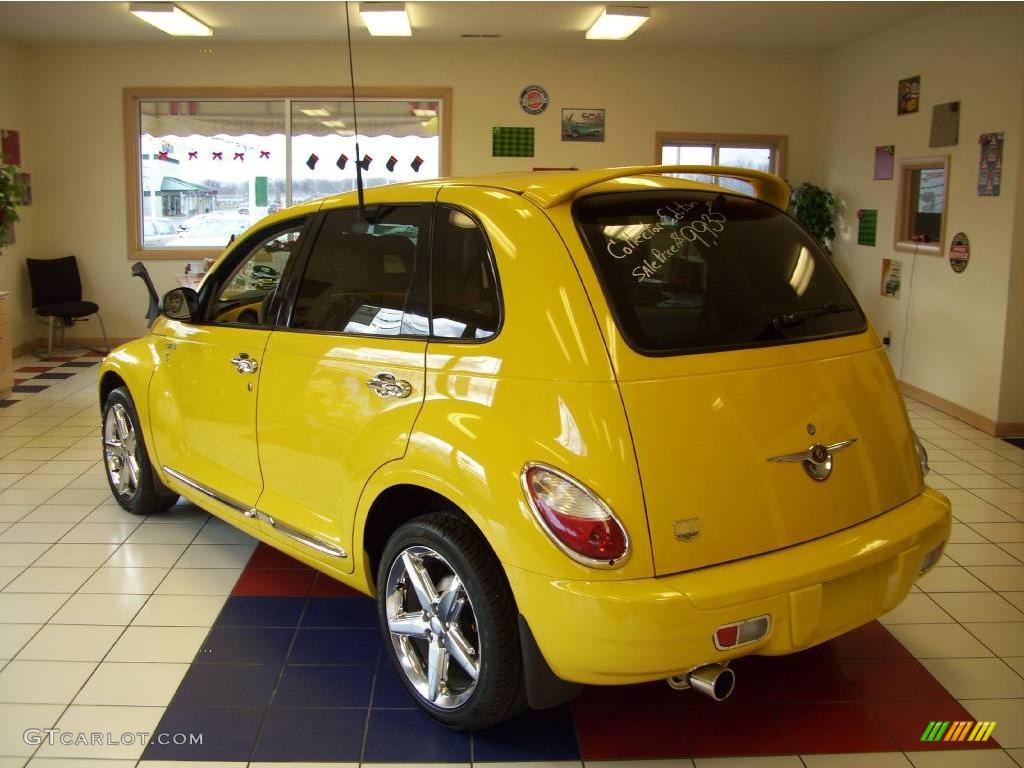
(786, 319)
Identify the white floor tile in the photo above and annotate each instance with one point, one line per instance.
(1009, 716)
(166, 533)
(1000, 532)
(43, 682)
(159, 644)
(1002, 578)
(67, 762)
(38, 579)
(917, 608)
(1004, 638)
(71, 642)
(775, 761)
(112, 610)
(29, 609)
(76, 555)
(857, 760)
(98, 533)
(199, 581)
(13, 638)
(147, 555)
(21, 554)
(58, 513)
(972, 606)
(976, 678)
(103, 719)
(938, 641)
(962, 758)
(216, 555)
(124, 581)
(180, 611)
(46, 533)
(15, 719)
(132, 684)
(9, 573)
(12, 513)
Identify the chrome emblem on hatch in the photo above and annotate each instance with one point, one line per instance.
(817, 460)
(687, 529)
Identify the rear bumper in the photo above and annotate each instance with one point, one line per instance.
(613, 632)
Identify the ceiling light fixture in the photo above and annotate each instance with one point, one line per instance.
(617, 22)
(386, 19)
(171, 19)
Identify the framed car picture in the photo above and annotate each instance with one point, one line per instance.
(582, 124)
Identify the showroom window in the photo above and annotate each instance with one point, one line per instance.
(757, 151)
(206, 164)
(921, 204)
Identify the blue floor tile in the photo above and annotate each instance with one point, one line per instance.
(227, 685)
(341, 612)
(227, 734)
(409, 735)
(242, 645)
(261, 612)
(535, 735)
(388, 691)
(323, 687)
(335, 646)
(27, 388)
(312, 735)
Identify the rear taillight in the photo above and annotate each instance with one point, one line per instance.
(575, 518)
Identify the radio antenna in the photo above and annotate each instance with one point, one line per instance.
(355, 118)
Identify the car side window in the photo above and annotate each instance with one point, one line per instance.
(465, 302)
(244, 298)
(360, 275)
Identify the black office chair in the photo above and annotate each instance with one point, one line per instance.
(57, 298)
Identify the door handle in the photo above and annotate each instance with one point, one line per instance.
(244, 363)
(386, 385)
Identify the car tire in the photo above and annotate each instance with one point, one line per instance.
(129, 472)
(470, 625)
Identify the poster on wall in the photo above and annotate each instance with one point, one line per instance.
(509, 141)
(867, 226)
(10, 147)
(909, 95)
(583, 124)
(959, 252)
(885, 159)
(892, 272)
(945, 125)
(990, 167)
(24, 180)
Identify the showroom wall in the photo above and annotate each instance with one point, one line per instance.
(955, 336)
(14, 114)
(79, 169)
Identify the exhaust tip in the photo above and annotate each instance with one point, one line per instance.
(714, 681)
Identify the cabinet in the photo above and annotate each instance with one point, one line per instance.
(6, 365)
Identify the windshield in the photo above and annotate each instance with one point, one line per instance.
(696, 271)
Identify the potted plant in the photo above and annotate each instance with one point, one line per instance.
(12, 194)
(815, 209)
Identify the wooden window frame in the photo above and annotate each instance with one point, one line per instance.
(901, 238)
(133, 141)
(776, 142)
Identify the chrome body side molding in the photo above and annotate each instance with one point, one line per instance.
(206, 491)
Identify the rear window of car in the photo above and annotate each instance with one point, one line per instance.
(688, 271)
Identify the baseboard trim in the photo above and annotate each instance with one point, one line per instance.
(976, 420)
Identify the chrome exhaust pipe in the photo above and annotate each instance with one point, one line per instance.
(713, 680)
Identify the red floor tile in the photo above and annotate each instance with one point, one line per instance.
(892, 680)
(733, 728)
(325, 586)
(274, 582)
(906, 721)
(622, 730)
(805, 676)
(830, 727)
(36, 369)
(872, 641)
(267, 557)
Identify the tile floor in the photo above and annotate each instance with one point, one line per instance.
(116, 625)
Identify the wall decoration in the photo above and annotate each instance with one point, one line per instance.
(945, 125)
(990, 167)
(959, 252)
(885, 159)
(867, 226)
(533, 99)
(10, 147)
(24, 180)
(416, 163)
(909, 96)
(511, 142)
(583, 124)
(892, 272)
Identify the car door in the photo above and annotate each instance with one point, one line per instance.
(343, 381)
(205, 386)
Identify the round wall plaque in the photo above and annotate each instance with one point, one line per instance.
(959, 252)
(533, 99)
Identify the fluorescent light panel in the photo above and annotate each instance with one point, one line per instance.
(617, 22)
(171, 19)
(386, 19)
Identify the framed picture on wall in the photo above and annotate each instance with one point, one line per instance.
(909, 96)
(583, 124)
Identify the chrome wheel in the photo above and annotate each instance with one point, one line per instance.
(433, 627)
(120, 450)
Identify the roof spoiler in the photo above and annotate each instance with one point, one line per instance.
(768, 187)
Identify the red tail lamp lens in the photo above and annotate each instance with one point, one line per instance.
(575, 517)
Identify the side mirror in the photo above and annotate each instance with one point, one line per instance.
(181, 304)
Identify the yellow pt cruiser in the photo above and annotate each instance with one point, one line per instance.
(595, 427)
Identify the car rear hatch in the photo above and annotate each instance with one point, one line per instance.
(745, 351)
